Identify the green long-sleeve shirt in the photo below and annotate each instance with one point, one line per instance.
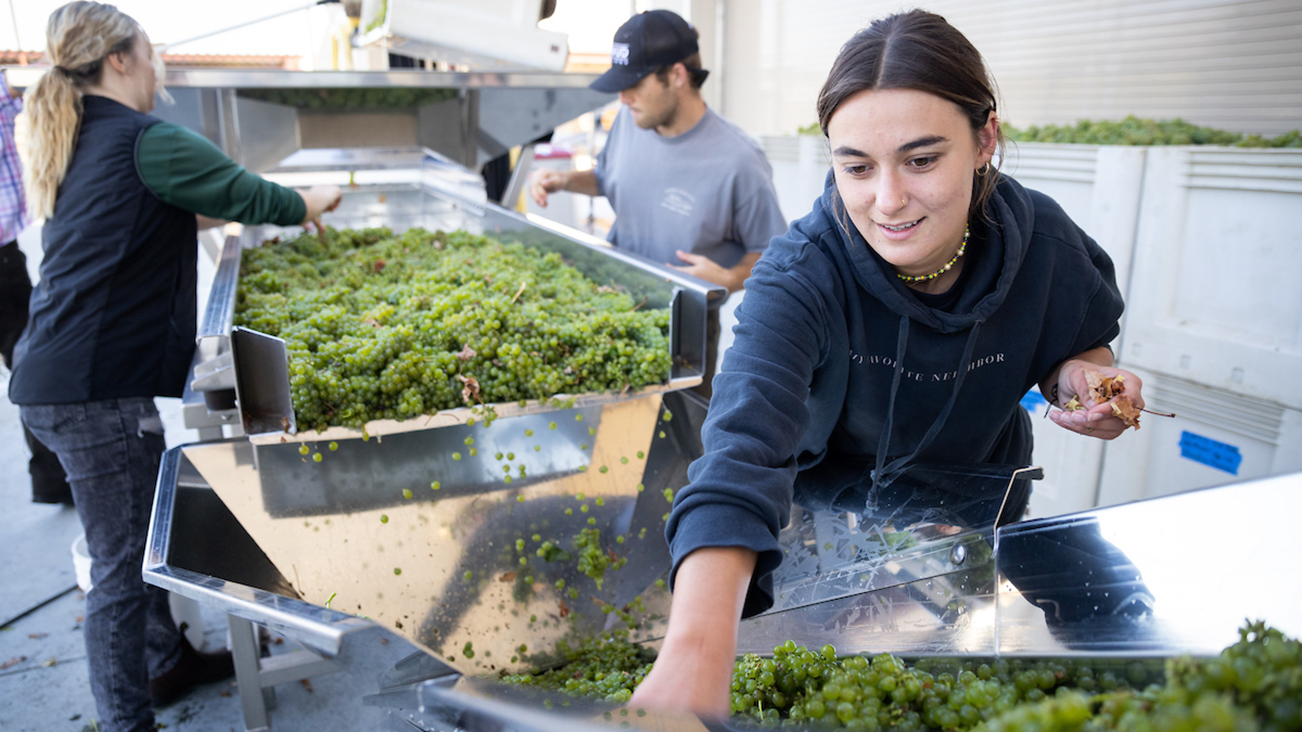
(184, 169)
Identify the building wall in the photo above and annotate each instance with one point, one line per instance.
(1233, 65)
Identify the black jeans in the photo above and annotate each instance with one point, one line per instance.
(49, 484)
(112, 450)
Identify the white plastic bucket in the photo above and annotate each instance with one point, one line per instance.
(184, 610)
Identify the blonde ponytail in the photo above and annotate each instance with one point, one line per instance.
(79, 36)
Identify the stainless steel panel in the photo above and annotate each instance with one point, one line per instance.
(268, 133)
(367, 528)
(509, 117)
(261, 382)
(219, 311)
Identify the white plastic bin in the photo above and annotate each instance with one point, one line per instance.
(1216, 437)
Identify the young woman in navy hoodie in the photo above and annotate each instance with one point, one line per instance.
(900, 322)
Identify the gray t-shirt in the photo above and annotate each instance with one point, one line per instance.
(707, 191)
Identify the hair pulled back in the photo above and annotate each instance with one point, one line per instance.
(921, 51)
(79, 37)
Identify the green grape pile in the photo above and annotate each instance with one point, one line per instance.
(385, 326)
(606, 668)
(1135, 131)
(1254, 685)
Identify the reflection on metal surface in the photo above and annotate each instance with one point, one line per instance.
(902, 566)
(1177, 574)
(436, 534)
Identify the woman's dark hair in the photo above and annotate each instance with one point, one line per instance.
(916, 50)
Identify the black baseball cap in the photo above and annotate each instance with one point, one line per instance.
(643, 44)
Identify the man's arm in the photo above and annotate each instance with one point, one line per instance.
(733, 278)
(546, 182)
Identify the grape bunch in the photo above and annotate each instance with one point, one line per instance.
(594, 559)
(1135, 131)
(1253, 686)
(385, 326)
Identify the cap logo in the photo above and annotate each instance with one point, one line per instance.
(619, 54)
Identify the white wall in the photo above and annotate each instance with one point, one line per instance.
(1234, 65)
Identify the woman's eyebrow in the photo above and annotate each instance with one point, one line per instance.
(921, 142)
(845, 151)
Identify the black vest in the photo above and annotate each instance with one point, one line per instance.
(114, 313)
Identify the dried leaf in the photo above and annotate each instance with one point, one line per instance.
(467, 353)
(1105, 389)
(12, 662)
(37, 636)
(565, 609)
(1124, 409)
(1073, 405)
(469, 388)
(507, 577)
(307, 684)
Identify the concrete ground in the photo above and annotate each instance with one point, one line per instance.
(44, 685)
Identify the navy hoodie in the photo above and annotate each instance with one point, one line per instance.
(838, 373)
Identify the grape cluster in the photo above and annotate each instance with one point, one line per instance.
(1253, 686)
(384, 326)
(1135, 131)
(594, 559)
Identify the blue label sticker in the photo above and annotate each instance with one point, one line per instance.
(1033, 400)
(1209, 452)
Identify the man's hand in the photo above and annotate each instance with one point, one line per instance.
(703, 267)
(544, 183)
(1096, 420)
(319, 200)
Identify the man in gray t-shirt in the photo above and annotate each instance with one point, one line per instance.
(689, 188)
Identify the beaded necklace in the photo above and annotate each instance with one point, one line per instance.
(962, 247)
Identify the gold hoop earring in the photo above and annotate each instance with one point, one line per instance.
(984, 169)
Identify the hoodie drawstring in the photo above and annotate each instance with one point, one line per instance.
(884, 475)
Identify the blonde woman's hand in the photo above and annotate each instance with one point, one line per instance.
(319, 200)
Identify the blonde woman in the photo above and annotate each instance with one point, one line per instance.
(112, 323)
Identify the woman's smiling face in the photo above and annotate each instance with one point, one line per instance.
(903, 161)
